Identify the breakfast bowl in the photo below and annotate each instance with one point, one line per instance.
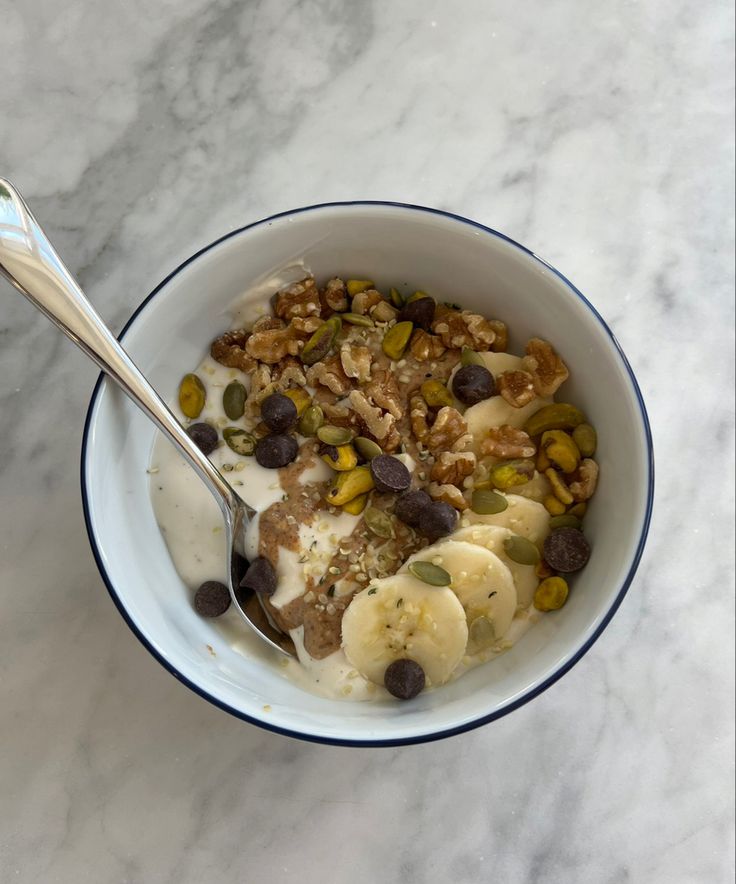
(456, 260)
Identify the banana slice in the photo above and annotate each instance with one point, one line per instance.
(400, 616)
(480, 580)
(522, 516)
(492, 537)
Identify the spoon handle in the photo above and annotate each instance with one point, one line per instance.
(31, 264)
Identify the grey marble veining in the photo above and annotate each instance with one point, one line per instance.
(601, 135)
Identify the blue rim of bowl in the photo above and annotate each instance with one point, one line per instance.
(436, 735)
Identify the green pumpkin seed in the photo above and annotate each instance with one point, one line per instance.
(396, 298)
(379, 522)
(311, 421)
(481, 634)
(358, 319)
(334, 435)
(470, 357)
(487, 503)
(233, 400)
(429, 573)
(367, 448)
(240, 441)
(521, 550)
(566, 520)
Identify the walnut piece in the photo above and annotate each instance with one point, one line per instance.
(334, 296)
(363, 301)
(378, 423)
(501, 343)
(418, 411)
(583, 484)
(449, 432)
(229, 349)
(424, 346)
(384, 391)
(507, 442)
(449, 494)
(548, 371)
(356, 361)
(298, 299)
(265, 323)
(339, 415)
(289, 371)
(330, 374)
(271, 345)
(261, 386)
(463, 329)
(516, 387)
(306, 325)
(452, 467)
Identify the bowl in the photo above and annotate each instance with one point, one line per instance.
(454, 259)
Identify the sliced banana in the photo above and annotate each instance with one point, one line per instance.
(522, 516)
(492, 538)
(480, 580)
(536, 489)
(399, 616)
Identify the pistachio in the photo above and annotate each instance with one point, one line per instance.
(436, 394)
(543, 462)
(358, 319)
(511, 473)
(320, 344)
(300, 398)
(396, 298)
(192, 395)
(579, 509)
(470, 357)
(311, 421)
(233, 400)
(586, 439)
(349, 485)
(240, 441)
(379, 522)
(396, 339)
(551, 594)
(561, 450)
(481, 635)
(488, 502)
(559, 487)
(417, 296)
(356, 506)
(345, 458)
(553, 506)
(429, 573)
(565, 520)
(557, 416)
(521, 550)
(367, 448)
(356, 286)
(334, 435)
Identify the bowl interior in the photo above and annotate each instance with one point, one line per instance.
(456, 261)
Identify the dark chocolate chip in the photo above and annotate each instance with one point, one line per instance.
(212, 599)
(420, 312)
(278, 412)
(410, 506)
(204, 437)
(260, 577)
(389, 474)
(473, 383)
(276, 450)
(437, 520)
(566, 550)
(404, 679)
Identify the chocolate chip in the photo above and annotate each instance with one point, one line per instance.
(404, 679)
(204, 437)
(473, 383)
(420, 312)
(278, 412)
(260, 577)
(389, 474)
(410, 506)
(330, 451)
(211, 599)
(566, 550)
(276, 451)
(437, 520)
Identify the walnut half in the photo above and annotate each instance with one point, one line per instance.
(548, 371)
(451, 467)
(229, 349)
(516, 387)
(583, 484)
(463, 329)
(424, 346)
(449, 432)
(507, 442)
(449, 494)
(298, 299)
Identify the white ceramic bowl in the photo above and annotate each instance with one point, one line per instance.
(454, 259)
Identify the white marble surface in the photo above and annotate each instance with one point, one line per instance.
(601, 135)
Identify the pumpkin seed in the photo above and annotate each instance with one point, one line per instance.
(233, 400)
(470, 357)
(240, 441)
(336, 436)
(566, 520)
(396, 339)
(481, 635)
(357, 319)
(429, 573)
(521, 550)
(192, 396)
(379, 522)
(311, 421)
(367, 448)
(488, 502)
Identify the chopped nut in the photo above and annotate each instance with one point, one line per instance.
(516, 387)
(334, 296)
(383, 312)
(306, 325)
(289, 371)
(330, 374)
(452, 467)
(502, 336)
(424, 346)
(298, 299)
(449, 494)
(261, 386)
(266, 323)
(463, 329)
(271, 345)
(506, 442)
(356, 361)
(363, 301)
(548, 371)
(584, 481)
(449, 432)
(418, 411)
(384, 392)
(379, 424)
(229, 349)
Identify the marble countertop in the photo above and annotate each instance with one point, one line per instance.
(599, 134)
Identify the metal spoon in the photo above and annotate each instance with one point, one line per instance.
(30, 263)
